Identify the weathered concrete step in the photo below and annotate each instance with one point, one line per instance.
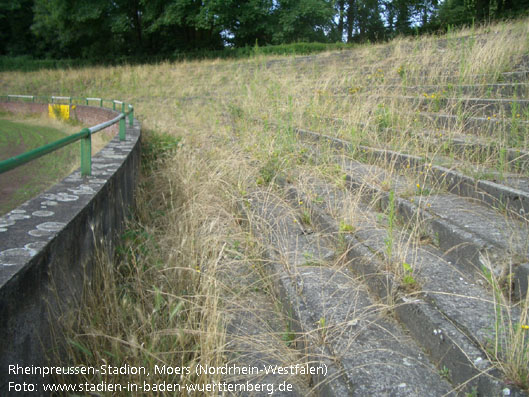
(457, 232)
(513, 91)
(469, 146)
(450, 318)
(491, 193)
(495, 174)
(498, 90)
(494, 108)
(472, 146)
(485, 78)
(514, 128)
(469, 233)
(255, 342)
(476, 131)
(465, 146)
(255, 332)
(365, 353)
(481, 157)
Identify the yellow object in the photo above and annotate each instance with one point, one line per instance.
(59, 111)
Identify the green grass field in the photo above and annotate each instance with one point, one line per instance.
(17, 137)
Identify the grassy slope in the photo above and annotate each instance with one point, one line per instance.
(21, 184)
(188, 218)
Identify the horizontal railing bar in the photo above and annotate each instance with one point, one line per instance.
(13, 162)
(23, 158)
(106, 124)
(21, 96)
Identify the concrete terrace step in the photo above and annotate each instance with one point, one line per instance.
(485, 78)
(466, 146)
(467, 230)
(450, 317)
(499, 90)
(488, 192)
(255, 332)
(506, 108)
(471, 146)
(466, 151)
(515, 127)
(481, 231)
(513, 91)
(365, 353)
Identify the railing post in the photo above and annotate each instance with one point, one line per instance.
(131, 115)
(122, 127)
(86, 153)
(100, 102)
(113, 105)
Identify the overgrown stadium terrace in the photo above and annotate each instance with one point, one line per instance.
(362, 210)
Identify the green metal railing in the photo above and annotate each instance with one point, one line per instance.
(85, 135)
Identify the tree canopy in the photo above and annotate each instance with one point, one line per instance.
(103, 29)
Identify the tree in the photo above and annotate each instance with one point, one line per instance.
(303, 20)
(247, 21)
(73, 28)
(341, 17)
(16, 18)
(181, 25)
(403, 16)
(351, 19)
(482, 9)
(369, 20)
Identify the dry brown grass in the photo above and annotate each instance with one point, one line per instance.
(169, 291)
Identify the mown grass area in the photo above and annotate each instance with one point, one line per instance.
(234, 122)
(25, 182)
(21, 134)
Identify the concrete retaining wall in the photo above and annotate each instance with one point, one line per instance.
(47, 247)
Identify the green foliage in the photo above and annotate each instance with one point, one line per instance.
(15, 18)
(383, 117)
(421, 190)
(27, 63)
(101, 30)
(472, 393)
(306, 217)
(304, 20)
(391, 222)
(466, 12)
(73, 28)
(289, 337)
(346, 227)
(407, 278)
(155, 147)
(445, 373)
